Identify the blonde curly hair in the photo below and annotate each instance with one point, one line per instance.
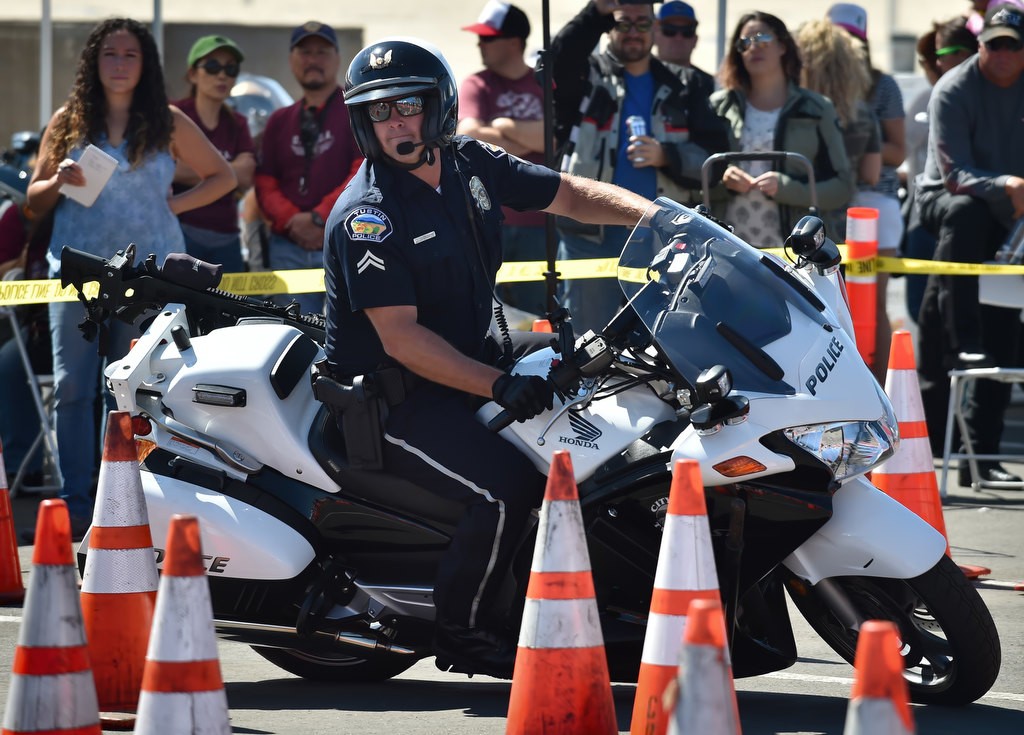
(835, 65)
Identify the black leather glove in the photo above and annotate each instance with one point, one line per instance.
(523, 396)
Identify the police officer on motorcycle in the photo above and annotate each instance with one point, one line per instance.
(412, 249)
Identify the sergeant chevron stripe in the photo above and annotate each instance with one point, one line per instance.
(369, 260)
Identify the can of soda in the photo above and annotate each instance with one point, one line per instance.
(636, 125)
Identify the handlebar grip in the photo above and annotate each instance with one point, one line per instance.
(500, 421)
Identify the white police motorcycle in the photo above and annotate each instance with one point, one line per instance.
(724, 354)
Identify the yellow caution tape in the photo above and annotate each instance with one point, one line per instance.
(311, 280)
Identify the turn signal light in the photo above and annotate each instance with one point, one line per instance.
(739, 466)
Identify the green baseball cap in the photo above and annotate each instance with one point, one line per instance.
(208, 44)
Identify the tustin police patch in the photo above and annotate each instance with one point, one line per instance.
(368, 224)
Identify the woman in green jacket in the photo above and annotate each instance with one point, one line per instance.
(767, 110)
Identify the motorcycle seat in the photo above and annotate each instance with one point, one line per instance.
(377, 487)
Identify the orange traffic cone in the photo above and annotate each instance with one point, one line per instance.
(120, 580)
(182, 689)
(542, 325)
(51, 687)
(909, 476)
(705, 698)
(12, 588)
(879, 702)
(686, 572)
(560, 684)
(861, 278)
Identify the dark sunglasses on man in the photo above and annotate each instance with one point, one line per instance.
(214, 67)
(406, 107)
(1004, 43)
(643, 25)
(671, 30)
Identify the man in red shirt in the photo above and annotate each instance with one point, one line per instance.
(503, 105)
(308, 155)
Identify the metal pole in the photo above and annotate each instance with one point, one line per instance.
(720, 40)
(45, 65)
(158, 27)
(547, 82)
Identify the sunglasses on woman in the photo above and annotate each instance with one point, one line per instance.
(214, 67)
(640, 26)
(671, 30)
(743, 43)
(406, 107)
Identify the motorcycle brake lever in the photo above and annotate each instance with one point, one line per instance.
(585, 395)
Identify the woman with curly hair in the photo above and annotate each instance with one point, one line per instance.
(834, 65)
(767, 110)
(118, 104)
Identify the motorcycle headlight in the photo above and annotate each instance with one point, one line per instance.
(848, 448)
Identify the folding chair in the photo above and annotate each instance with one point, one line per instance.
(41, 389)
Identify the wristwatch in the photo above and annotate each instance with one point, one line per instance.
(317, 219)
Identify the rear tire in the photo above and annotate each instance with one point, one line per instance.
(950, 647)
(337, 665)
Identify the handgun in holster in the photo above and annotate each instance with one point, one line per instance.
(362, 413)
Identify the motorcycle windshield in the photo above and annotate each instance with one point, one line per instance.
(708, 298)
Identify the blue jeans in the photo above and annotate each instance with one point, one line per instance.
(78, 381)
(286, 255)
(17, 410)
(920, 244)
(521, 243)
(215, 247)
(592, 302)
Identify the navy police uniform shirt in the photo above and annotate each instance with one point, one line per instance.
(396, 241)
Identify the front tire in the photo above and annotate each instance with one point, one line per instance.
(337, 665)
(951, 650)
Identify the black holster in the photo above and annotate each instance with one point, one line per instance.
(362, 415)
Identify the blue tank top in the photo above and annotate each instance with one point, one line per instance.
(131, 208)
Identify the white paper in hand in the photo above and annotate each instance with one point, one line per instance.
(97, 167)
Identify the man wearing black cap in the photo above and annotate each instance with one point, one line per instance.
(969, 196)
(504, 105)
(308, 155)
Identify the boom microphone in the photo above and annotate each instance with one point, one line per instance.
(405, 147)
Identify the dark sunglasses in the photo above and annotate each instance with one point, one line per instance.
(671, 30)
(214, 67)
(1004, 44)
(407, 107)
(743, 43)
(640, 26)
(489, 39)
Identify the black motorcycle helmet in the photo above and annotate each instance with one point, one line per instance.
(394, 68)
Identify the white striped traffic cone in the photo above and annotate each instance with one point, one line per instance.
(909, 475)
(560, 685)
(879, 701)
(120, 580)
(686, 572)
(51, 687)
(704, 693)
(182, 689)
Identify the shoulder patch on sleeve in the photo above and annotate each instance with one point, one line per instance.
(494, 150)
(368, 224)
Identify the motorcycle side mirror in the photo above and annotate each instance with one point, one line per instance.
(811, 245)
(807, 236)
(713, 384)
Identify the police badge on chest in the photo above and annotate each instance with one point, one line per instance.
(483, 200)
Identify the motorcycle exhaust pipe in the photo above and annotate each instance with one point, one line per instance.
(286, 632)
